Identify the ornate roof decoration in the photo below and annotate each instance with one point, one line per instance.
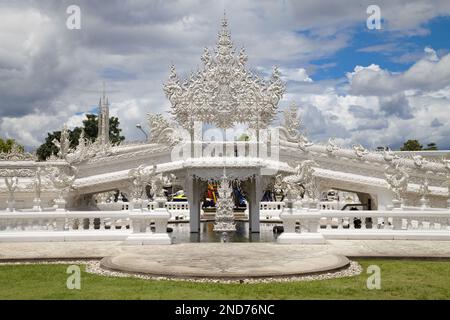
(63, 144)
(291, 127)
(17, 154)
(161, 131)
(224, 92)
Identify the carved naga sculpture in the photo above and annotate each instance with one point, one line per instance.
(61, 180)
(397, 180)
(141, 177)
(302, 181)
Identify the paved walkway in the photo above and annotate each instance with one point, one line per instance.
(100, 249)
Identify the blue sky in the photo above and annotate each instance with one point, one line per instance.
(345, 59)
(374, 87)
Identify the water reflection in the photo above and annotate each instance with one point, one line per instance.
(181, 233)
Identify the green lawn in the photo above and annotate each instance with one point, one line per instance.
(401, 279)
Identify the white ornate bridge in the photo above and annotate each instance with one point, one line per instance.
(405, 196)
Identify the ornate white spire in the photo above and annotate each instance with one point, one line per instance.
(103, 119)
(224, 92)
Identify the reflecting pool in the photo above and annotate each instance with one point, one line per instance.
(181, 233)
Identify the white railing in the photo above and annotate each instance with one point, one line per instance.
(392, 220)
(329, 205)
(178, 209)
(84, 225)
(64, 221)
(270, 210)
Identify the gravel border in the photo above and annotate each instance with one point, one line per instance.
(93, 267)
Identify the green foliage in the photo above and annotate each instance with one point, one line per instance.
(7, 144)
(411, 145)
(401, 279)
(414, 145)
(90, 126)
(431, 146)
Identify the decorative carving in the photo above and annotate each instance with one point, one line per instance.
(37, 187)
(11, 184)
(159, 182)
(61, 179)
(360, 151)
(389, 156)
(21, 173)
(225, 205)
(141, 178)
(332, 146)
(161, 131)
(291, 125)
(63, 144)
(224, 92)
(397, 179)
(424, 190)
(17, 154)
(87, 149)
(419, 161)
(302, 182)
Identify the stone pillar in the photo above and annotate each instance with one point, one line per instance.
(193, 195)
(254, 203)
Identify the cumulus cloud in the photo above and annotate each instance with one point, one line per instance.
(428, 74)
(50, 75)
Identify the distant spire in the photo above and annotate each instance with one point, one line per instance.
(104, 93)
(224, 20)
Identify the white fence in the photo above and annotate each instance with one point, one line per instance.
(332, 224)
(180, 210)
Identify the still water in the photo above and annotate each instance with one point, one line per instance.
(181, 233)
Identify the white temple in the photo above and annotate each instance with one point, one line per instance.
(103, 191)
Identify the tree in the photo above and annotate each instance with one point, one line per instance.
(431, 146)
(90, 127)
(411, 145)
(7, 144)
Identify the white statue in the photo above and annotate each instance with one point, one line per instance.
(360, 151)
(332, 146)
(63, 144)
(424, 190)
(303, 181)
(37, 186)
(11, 183)
(225, 206)
(159, 182)
(397, 179)
(161, 131)
(141, 176)
(62, 181)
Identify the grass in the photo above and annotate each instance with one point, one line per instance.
(400, 279)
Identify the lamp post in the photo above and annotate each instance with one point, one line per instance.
(139, 126)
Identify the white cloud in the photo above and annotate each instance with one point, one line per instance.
(296, 74)
(428, 74)
(50, 75)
